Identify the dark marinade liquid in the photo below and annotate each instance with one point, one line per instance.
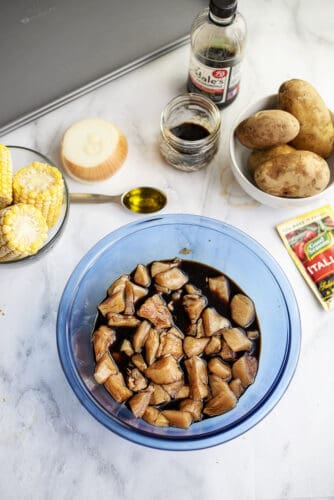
(217, 57)
(198, 274)
(189, 131)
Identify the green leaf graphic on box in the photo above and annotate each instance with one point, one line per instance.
(318, 244)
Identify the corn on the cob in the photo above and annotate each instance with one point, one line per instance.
(23, 231)
(6, 177)
(40, 185)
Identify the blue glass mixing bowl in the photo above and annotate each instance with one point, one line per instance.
(213, 243)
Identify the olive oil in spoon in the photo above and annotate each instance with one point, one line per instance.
(140, 200)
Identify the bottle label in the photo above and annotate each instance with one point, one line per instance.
(222, 83)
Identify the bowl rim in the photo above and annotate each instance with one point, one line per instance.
(268, 199)
(61, 228)
(165, 442)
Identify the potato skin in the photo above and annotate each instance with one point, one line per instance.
(301, 99)
(294, 175)
(267, 128)
(261, 155)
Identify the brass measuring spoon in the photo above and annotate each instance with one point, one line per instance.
(141, 200)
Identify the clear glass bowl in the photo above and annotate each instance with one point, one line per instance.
(213, 243)
(21, 157)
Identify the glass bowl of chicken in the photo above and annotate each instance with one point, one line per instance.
(178, 332)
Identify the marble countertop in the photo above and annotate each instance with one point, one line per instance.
(50, 447)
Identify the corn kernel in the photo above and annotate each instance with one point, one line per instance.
(23, 231)
(6, 176)
(42, 186)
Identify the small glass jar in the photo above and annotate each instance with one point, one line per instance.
(190, 132)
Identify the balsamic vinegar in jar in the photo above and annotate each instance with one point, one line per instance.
(190, 131)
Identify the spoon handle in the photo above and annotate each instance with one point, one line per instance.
(94, 198)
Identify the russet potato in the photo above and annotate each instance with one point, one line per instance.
(259, 156)
(295, 175)
(267, 128)
(301, 99)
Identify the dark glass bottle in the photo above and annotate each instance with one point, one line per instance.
(218, 37)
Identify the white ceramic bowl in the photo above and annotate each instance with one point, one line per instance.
(239, 155)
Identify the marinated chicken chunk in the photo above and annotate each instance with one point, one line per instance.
(139, 403)
(198, 377)
(200, 329)
(171, 342)
(140, 335)
(253, 334)
(118, 285)
(193, 346)
(151, 345)
(226, 352)
(176, 295)
(103, 338)
(115, 385)
(177, 418)
(220, 288)
(153, 416)
(237, 387)
(105, 367)
(160, 267)
(135, 380)
(142, 276)
(217, 384)
(174, 388)
(191, 289)
(214, 345)
(192, 407)
(237, 340)
(213, 322)
(139, 362)
(155, 310)
(194, 305)
(158, 395)
(218, 367)
(121, 320)
(173, 279)
(126, 347)
(183, 392)
(164, 371)
(245, 369)
(132, 294)
(223, 402)
(114, 303)
(192, 329)
(242, 310)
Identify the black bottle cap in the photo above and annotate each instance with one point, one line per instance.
(223, 8)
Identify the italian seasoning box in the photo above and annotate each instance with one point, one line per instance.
(218, 37)
(309, 239)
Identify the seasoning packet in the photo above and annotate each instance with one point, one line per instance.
(309, 239)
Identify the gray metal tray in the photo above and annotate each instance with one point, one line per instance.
(52, 51)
